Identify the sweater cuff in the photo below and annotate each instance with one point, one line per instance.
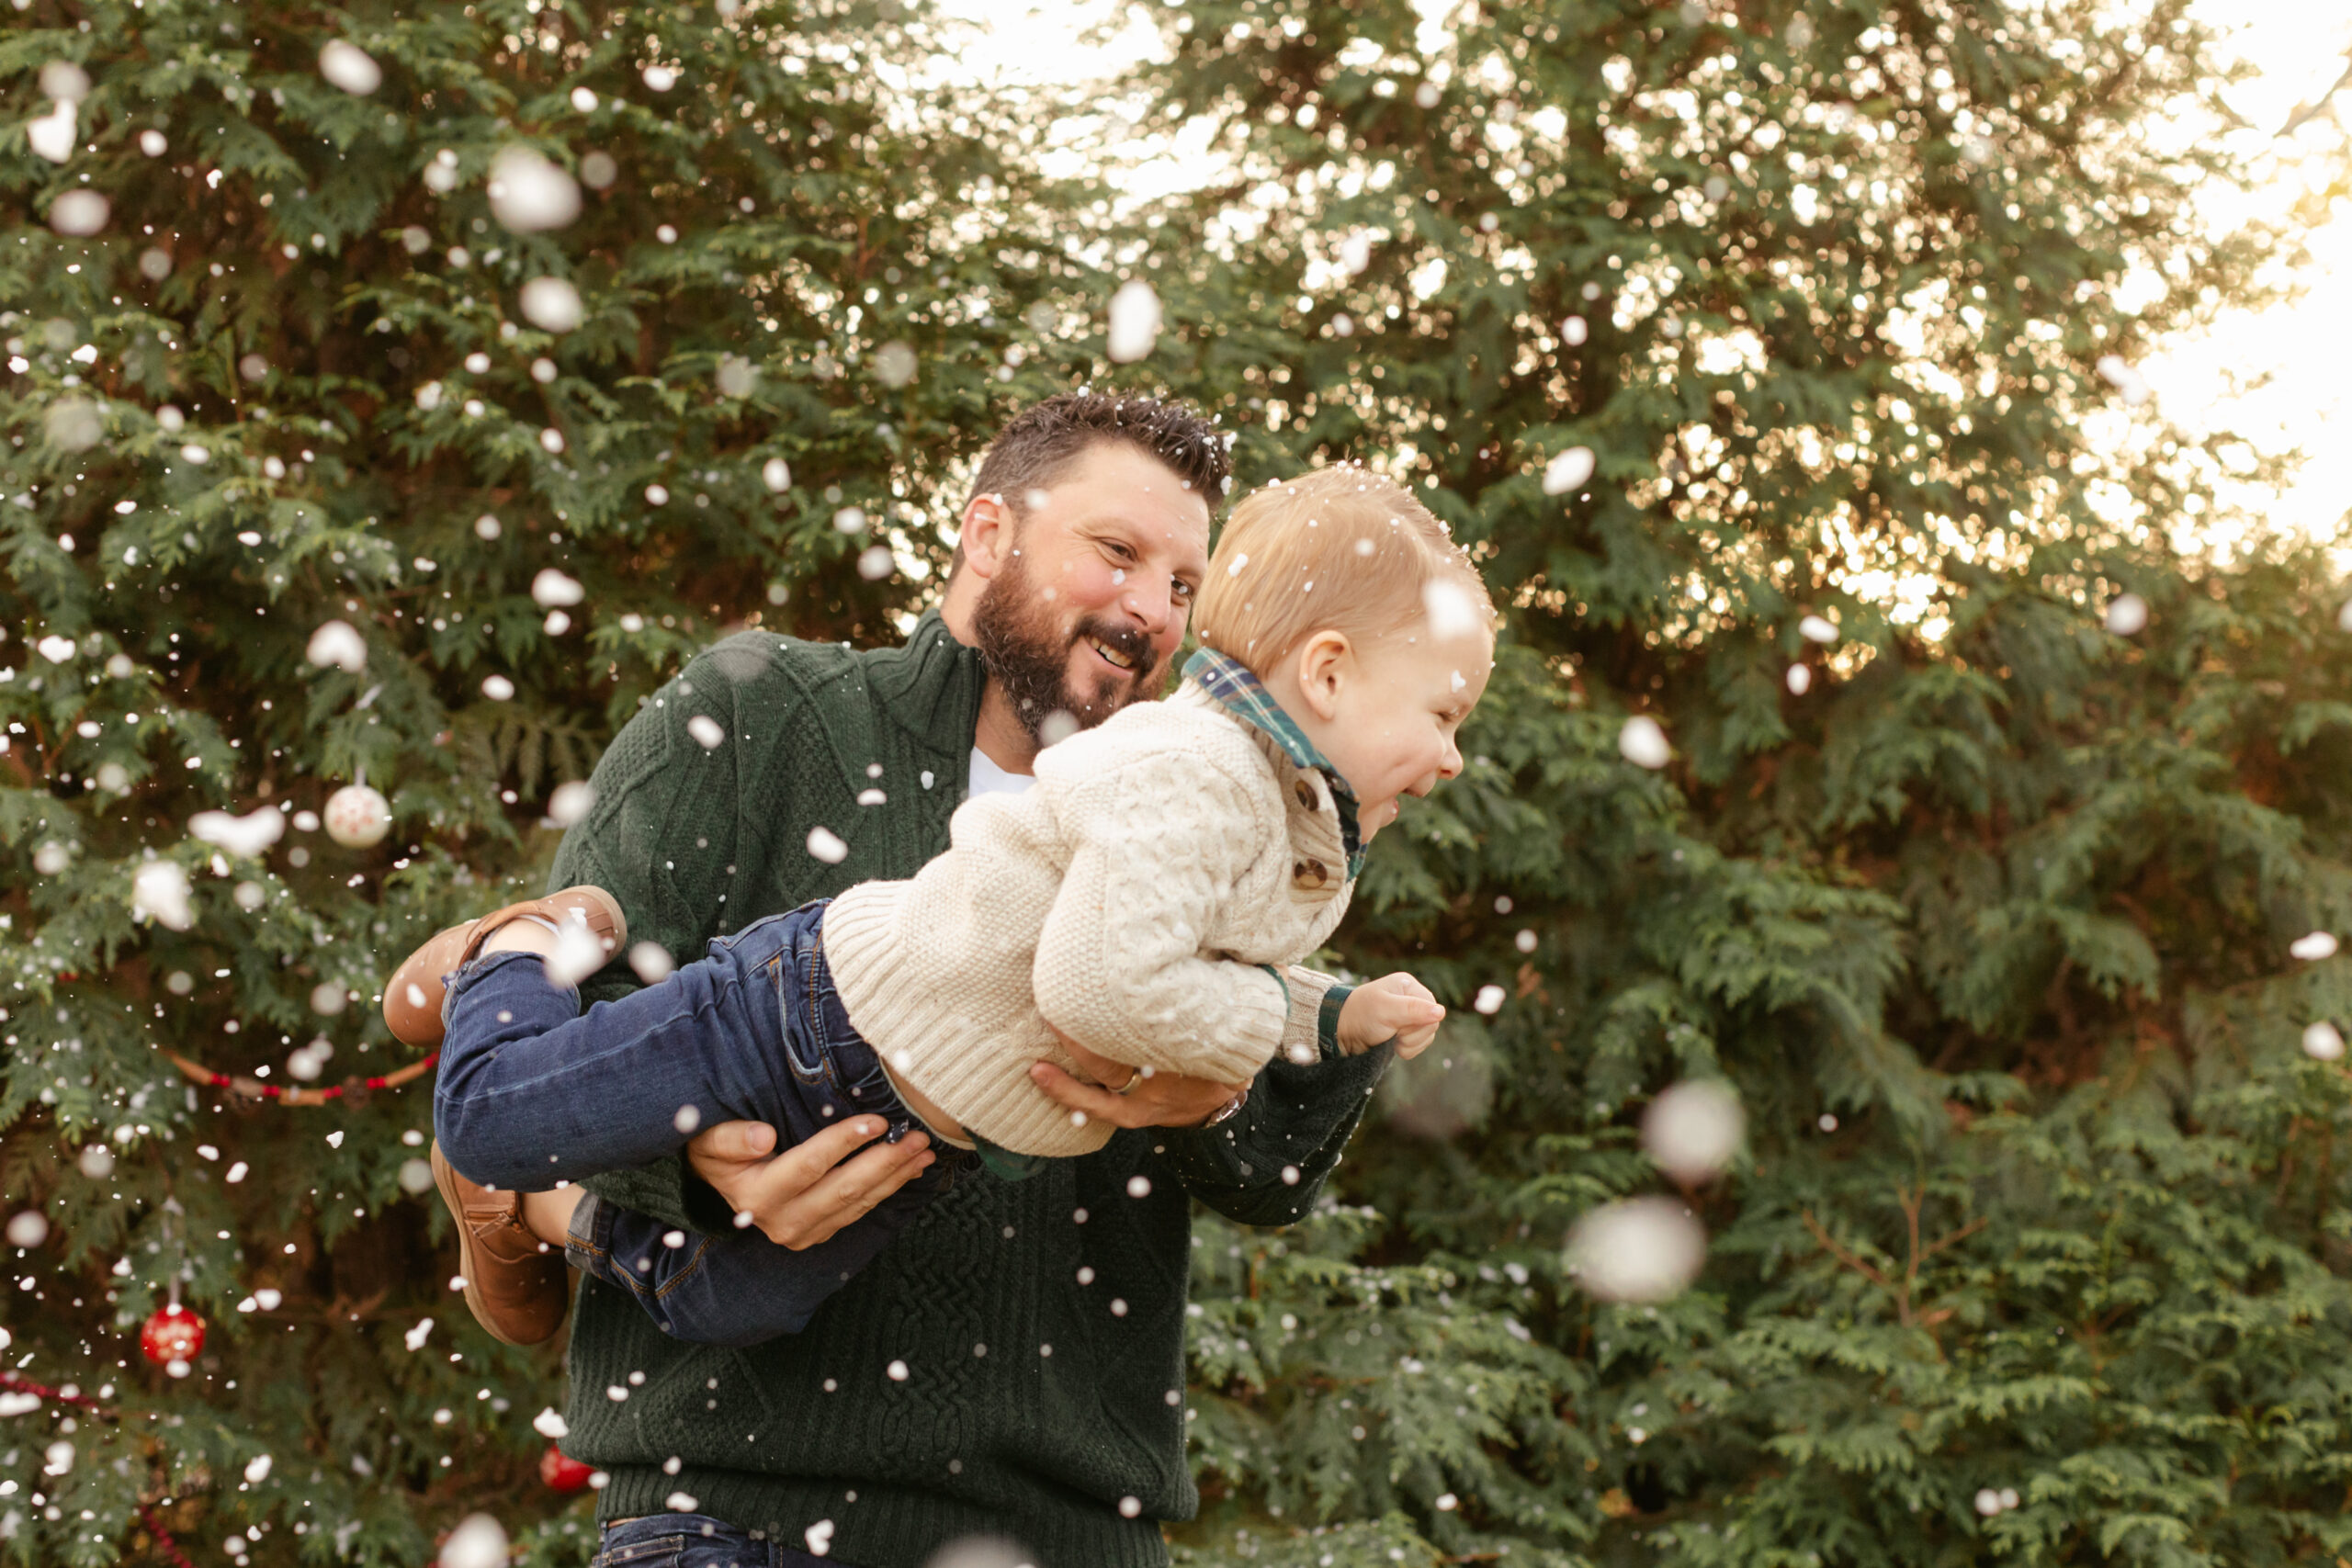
(1327, 1020)
(1308, 1028)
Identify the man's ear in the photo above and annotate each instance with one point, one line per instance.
(987, 534)
(1322, 665)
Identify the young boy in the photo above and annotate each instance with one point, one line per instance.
(1147, 900)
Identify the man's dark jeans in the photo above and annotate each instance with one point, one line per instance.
(694, 1541)
(533, 1092)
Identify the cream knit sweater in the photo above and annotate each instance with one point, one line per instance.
(1129, 897)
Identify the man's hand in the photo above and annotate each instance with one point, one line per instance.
(811, 1191)
(1163, 1099)
(1393, 1006)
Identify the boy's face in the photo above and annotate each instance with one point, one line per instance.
(1395, 710)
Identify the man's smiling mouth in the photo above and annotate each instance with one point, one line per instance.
(1111, 656)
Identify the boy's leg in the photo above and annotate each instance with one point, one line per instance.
(740, 1288)
(532, 1091)
(511, 1243)
(756, 1031)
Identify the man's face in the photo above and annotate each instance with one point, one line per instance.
(1085, 609)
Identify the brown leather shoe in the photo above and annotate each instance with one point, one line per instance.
(515, 1283)
(412, 996)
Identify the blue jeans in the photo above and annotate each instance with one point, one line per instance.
(532, 1091)
(694, 1541)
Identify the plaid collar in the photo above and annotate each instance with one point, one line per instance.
(1245, 696)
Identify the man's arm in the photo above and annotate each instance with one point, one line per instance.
(1265, 1164)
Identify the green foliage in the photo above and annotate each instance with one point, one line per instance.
(1985, 913)
(1988, 925)
(291, 381)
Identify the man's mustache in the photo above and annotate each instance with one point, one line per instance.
(1126, 641)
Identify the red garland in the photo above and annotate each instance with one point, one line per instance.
(164, 1544)
(248, 1089)
(332, 1091)
(42, 1391)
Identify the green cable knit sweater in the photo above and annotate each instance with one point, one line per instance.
(1029, 1406)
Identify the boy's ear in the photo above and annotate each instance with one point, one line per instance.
(1321, 663)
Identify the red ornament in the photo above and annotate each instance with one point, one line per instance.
(172, 1334)
(561, 1472)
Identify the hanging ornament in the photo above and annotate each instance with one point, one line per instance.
(561, 1472)
(357, 818)
(172, 1338)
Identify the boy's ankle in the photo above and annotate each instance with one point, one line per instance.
(525, 933)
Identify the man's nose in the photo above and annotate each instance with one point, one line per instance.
(1154, 607)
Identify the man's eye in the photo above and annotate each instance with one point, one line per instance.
(1183, 589)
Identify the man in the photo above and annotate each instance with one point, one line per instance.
(1013, 1364)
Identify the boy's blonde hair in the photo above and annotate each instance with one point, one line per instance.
(1341, 548)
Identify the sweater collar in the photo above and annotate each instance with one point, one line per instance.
(1232, 684)
(931, 684)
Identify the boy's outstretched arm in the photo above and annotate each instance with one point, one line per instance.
(1265, 1165)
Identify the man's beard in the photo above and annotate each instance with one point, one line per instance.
(1025, 647)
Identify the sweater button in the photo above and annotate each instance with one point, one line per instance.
(1306, 795)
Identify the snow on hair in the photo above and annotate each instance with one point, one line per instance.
(1341, 548)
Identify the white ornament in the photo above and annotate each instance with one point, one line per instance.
(357, 818)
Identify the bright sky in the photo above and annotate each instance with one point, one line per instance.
(2280, 378)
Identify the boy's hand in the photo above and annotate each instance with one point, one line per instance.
(1395, 1005)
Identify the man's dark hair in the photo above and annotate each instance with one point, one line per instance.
(1042, 441)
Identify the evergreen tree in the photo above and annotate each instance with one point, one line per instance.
(1778, 364)
(1988, 923)
(398, 395)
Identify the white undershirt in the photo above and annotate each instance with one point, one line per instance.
(990, 779)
